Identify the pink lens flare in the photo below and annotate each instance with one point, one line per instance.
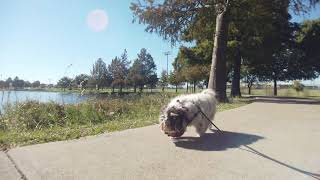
(97, 20)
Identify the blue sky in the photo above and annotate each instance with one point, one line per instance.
(39, 39)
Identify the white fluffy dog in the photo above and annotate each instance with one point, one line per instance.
(187, 110)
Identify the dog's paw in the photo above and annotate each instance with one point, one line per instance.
(200, 134)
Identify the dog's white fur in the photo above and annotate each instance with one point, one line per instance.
(190, 104)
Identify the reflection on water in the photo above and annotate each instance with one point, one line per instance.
(41, 96)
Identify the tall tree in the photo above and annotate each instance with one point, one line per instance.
(246, 35)
(99, 73)
(135, 76)
(176, 78)
(153, 81)
(171, 19)
(309, 41)
(118, 70)
(2, 84)
(288, 60)
(9, 82)
(36, 84)
(149, 67)
(164, 79)
(143, 71)
(17, 83)
(249, 76)
(64, 82)
(81, 80)
(27, 84)
(195, 74)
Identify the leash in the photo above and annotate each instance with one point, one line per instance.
(200, 110)
(203, 114)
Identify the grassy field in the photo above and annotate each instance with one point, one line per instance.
(265, 91)
(109, 90)
(33, 122)
(287, 92)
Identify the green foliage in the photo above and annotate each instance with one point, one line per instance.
(196, 73)
(249, 75)
(81, 79)
(176, 78)
(36, 84)
(64, 82)
(33, 122)
(18, 83)
(100, 74)
(164, 79)
(33, 115)
(169, 19)
(118, 70)
(298, 86)
(143, 71)
(287, 92)
(195, 20)
(193, 64)
(309, 39)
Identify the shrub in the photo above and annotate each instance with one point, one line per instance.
(34, 115)
(298, 86)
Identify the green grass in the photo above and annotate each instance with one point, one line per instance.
(266, 91)
(108, 90)
(286, 92)
(33, 122)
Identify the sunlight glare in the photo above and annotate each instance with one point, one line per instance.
(97, 20)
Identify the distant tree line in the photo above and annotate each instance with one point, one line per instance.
(17, 83)
(118, 74)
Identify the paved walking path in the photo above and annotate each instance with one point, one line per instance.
(269, 139)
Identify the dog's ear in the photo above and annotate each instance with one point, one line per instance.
(177, 111)
(181, 108)
(163, 109)
(163, 113)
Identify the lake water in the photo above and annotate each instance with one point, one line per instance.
(41, 96)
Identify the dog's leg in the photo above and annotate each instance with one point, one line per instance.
(201, 128)
(209, 126)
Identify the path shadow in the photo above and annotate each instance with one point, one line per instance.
(223, 140)
(285, 100)
(254, 151)
(217, 141)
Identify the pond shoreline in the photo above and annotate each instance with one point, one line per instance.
(35, 122)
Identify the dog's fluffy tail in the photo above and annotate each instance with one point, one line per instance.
(209, 91)
(212, 94)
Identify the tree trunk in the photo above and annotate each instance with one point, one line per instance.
(120, 90)
(135, 89)
(176, 88)
(249, 89)
(194, 86)
(187, 87)
(235, 88)
(218, 77)
(275, 90)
